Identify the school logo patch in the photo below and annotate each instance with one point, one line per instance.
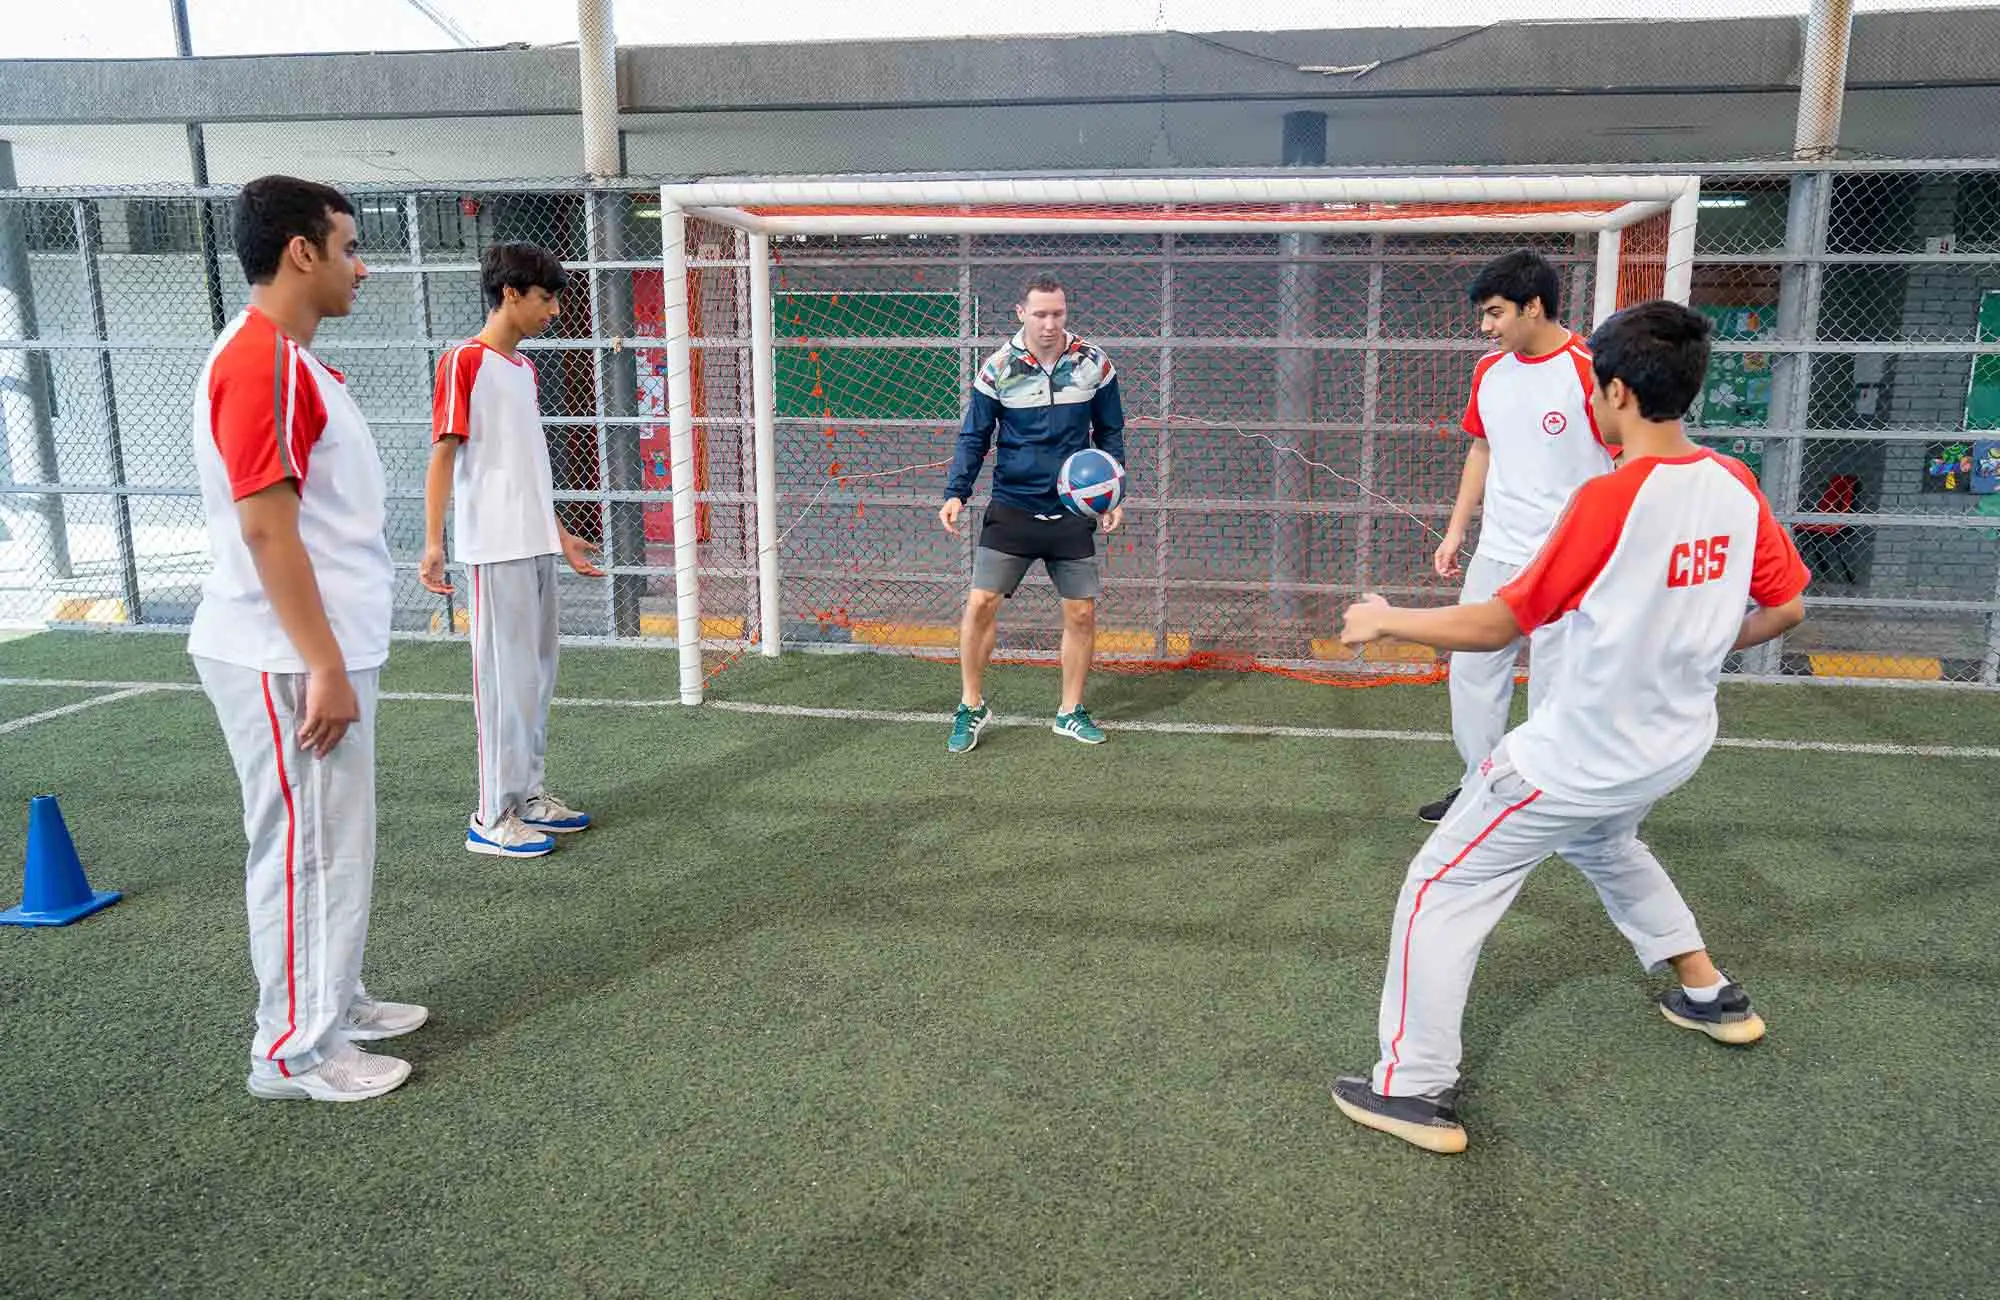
(1554, 423)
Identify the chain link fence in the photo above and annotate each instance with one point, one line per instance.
(108, 306)
(1858, 368)
(1292, 402)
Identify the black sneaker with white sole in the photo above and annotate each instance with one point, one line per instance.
(1434, 812)
(1430, 1121)
(1727, 1019)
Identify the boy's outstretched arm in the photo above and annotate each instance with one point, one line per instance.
(1489, 625)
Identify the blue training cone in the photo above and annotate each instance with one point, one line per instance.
(53, 890)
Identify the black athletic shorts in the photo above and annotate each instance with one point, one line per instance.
(1062, 536)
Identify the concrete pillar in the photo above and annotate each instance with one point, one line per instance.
(1823, 79)
(597, 56)
(27, 437)
(1303, 145)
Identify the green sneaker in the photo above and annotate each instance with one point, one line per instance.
(1078, 726)
(966, 724)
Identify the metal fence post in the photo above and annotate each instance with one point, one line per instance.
(26, 393)
(763, 398)
(1792, 370)
(83, 215)
(680, 425)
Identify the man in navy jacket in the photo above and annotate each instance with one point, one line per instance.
(1048, 394)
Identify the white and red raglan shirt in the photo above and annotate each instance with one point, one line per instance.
(1651, 568)
(1534, 415)
(503, 504)
(266, 410)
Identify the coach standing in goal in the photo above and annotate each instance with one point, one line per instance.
(1048, 394)
(1534, 442)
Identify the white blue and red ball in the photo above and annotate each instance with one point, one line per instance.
(1091, 483)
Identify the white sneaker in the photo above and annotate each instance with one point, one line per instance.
(545, 812)
(349, 1074)
(509, 839)
(368, 1020)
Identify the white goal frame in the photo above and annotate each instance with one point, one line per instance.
(1606, 206)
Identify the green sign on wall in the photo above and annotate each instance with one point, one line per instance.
(1737, 391)
(1982, 397)
(913, 383)
(1982, 406)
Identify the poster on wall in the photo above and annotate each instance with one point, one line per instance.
(1982, 399)
(1948, 467)
(1986, 466)
(1737, 391)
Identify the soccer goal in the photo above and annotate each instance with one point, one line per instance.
(1294, 355)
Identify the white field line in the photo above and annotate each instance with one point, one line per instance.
(123, 693)
(1874, 748)
(1169, 728)
(1350, 733)
(74, 684)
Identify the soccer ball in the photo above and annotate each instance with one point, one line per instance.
(1091, 483)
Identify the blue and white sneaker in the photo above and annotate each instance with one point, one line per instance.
(544, 812)
(508, 838)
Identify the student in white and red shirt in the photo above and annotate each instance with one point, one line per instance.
(490, 463)
(1534, 441)
(290, 636)
(1648, 575)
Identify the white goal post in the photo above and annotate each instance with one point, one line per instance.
(1604, 206)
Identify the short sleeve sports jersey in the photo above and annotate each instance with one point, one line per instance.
(1534, 414)
(266, 410)
(1653, 566)
(503, 504)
